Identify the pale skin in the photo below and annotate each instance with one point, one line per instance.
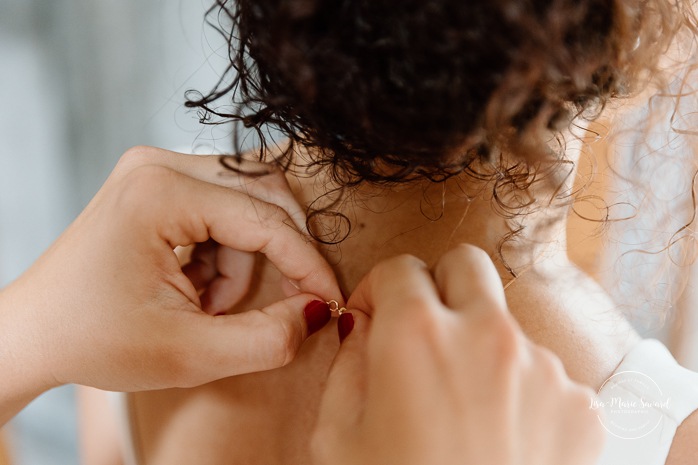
(66, 320)
(433, 335)
(269, 417)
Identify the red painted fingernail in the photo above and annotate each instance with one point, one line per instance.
(344, 325)
(317, 314)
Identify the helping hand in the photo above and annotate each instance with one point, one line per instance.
(441, 374)
(109, 306)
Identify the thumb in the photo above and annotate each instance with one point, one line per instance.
(346, 385)
(259, 340)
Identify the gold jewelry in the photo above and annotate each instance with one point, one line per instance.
(334, 307)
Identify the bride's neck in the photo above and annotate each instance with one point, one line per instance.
(556, 305)
(426, 219)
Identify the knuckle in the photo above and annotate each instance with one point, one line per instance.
(502, 338)
(467, 253)
(270, 213)
(387, 267)
(404, 260)
(143, 183)
(135, 157)
(147, 177)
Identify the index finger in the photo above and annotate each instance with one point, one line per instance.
(395, 287)
(267, 228)
(467, 279)
(199, 210)
(261, 180)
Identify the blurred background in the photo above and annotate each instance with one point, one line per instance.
(81, 81)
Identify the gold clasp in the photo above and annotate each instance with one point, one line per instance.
(334, 307)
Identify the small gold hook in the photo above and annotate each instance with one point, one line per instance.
(334, 307)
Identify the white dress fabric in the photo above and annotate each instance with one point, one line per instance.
(648, 397)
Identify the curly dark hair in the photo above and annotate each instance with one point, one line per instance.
(417, 84)
(383, 91)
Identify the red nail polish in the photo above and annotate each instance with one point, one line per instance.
(344, 325)
(317, 314)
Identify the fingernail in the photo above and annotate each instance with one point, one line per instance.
(344, 325)
(317, 314)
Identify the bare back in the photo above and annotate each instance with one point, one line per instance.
(266, 418)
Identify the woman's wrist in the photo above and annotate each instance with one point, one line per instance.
(24, 365)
